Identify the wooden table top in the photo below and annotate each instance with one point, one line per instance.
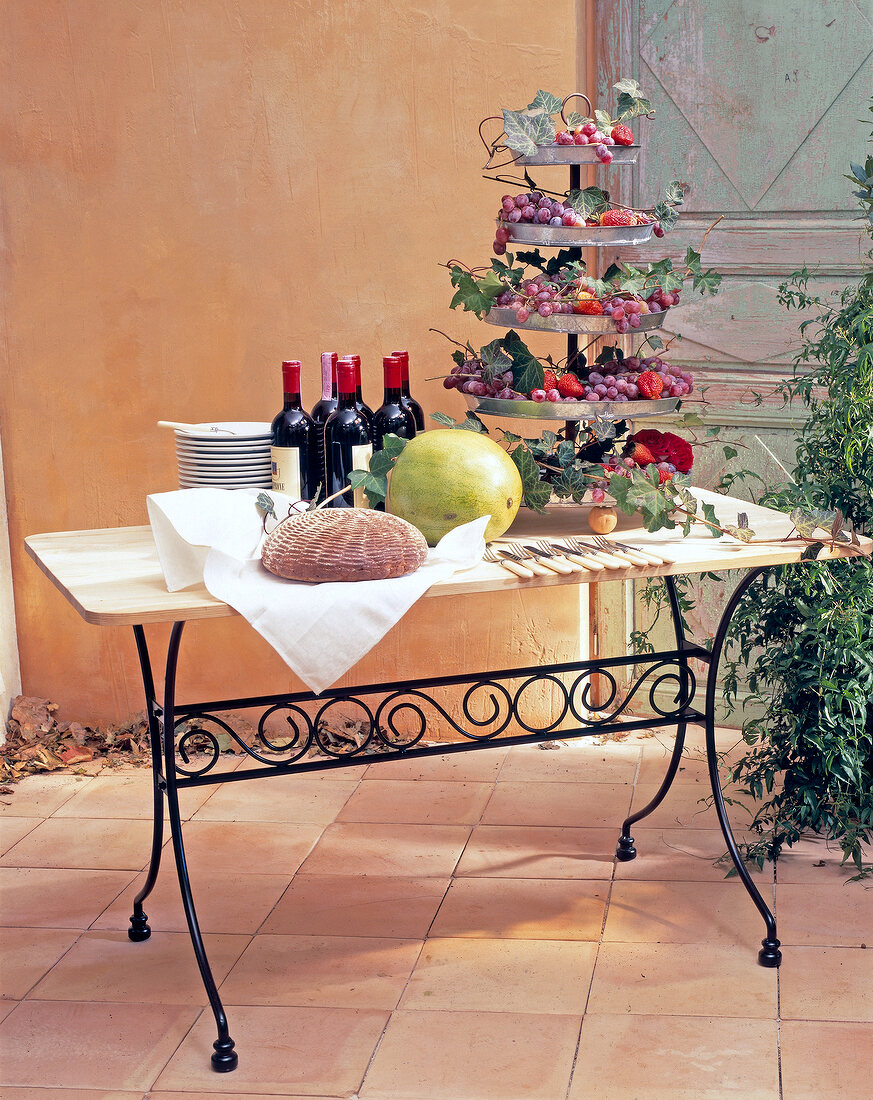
(112, 576)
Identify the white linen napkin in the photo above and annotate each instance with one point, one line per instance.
(214, 536)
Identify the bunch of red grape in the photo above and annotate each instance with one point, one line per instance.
(589, 135)
(617, 379)
(544, 295)
(472, 377)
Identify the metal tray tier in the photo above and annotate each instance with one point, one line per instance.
(581, 323)
(577, 236)
(571, 410)
(577, 154)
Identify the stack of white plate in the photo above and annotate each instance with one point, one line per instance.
(224, 456)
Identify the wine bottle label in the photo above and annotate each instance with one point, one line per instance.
(285, 469)
(361, 461)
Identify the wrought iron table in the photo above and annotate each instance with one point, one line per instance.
(112, 577)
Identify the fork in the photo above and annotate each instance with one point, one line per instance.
(531, 561)
(575, 565)
(629, 554)
(551, 560)
(510, 564)
(584, 560)
(611, 561)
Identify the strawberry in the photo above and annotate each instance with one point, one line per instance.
(570, 386)
(641, 455)
(622, 135)
(650, 385)
(588, 304)
(551, 380)
(664, 475)
(619, 217)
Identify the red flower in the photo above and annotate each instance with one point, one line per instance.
(667, 447)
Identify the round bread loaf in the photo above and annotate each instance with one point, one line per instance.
(343, 544)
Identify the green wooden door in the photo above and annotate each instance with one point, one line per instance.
(760, 107)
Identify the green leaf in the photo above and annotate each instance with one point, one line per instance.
(546, 102)
(524, 132)
(708, 511)
(609, 352)
(527, 370)
(692, 260)
(708, 281)
(592, 200)
(631, 101)
(571, 483)
(475, 295)
(265, 505)
(674, 193)
(459, 357)
(444, 419)
(744, 534)
(376, 488)
(535, 493)
(472, 423)
(575, 120)
(604, 122)
(811, 552)
(665, 214)
(729, 452)
(807, 521)
(533, 259)
(655, 342)
(517, 132)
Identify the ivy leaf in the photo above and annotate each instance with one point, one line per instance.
(527, 370)
(565, 453)
(517, 134)
(633, 284)
(604, 122)
(609, 352)
(459, 357)
(708, 281)
(655, 342)
(571, 483)
(811, 552)
(744, 534)
(592, 200)
(566, 257)
(265, 505)
(692, 260)
(729, 452)
(472, 423)
(575, 120)
(709, 514)
(631, 101)
(808, 520)
(546, 102)
(444, 419)
(612, 272)
(838, 524)
(475, 295)
(674, 193)
(665, 214)
(533, 259)
(535, 492)
(376, 488)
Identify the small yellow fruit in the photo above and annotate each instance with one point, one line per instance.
(602, 520)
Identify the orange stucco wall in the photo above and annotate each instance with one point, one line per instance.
(196, 189)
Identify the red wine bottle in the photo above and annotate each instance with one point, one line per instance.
(348, 440)
(408, 400)
(392, 417)
(359, 395)
(292, 441)
(323, 408)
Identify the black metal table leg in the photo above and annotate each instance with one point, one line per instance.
(625, 850)
(224, 1058)
(769, 955)
(139, 929)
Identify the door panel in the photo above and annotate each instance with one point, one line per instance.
(760, 106)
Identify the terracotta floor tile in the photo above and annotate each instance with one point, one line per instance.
(538, 909)
(816, 860)
(420, 802)
(521, 851)
(688, 979)
(126, 796)
(107, 966)
(686, 854)
(825, 1060)
(676, 1058)
(726, 739)
(73, 1094)
(280, 798)
(6, 1007)
(27, 953)
(343, 773)
(682, 807)
(330, 971)
(580, 761)
(827, 983)
(417, 850)
(479, 766)
(93, 844)
(357, 905)
(221, 905)
(65, 1044)
(478, 975)
(314, 1051)
(12, 829)
(693, 767)
(825, 915)
(481, 1055)
(153, 1095)
(247, 846)
(56, 898)
(40, 795)
(584, 805)
(684, 912)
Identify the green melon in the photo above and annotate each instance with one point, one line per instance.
(447, 477)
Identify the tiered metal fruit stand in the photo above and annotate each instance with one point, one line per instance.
(575, 239)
